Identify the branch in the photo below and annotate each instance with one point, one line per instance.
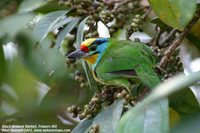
(144, 17)
(121, 2)
(178, 40)
(170, 37)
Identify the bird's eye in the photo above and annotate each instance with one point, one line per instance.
(93, 47)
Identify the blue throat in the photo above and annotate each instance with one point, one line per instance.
(101, 49)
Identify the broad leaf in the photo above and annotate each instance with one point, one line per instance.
(189, 125)
(184, 102)
(194, 39)
(146, 119)
(158, 22)
(154, 103)
(46, 23)
(31, 5)
(175, 13)
(3, 3)
(66, 30)
(62, 22)
(195, 34)
(11, 25)
(50, 7)
(83, 126)
(108, 119)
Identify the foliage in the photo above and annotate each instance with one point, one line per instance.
(36, 87)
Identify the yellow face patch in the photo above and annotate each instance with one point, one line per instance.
(88, 41)
(91, 59)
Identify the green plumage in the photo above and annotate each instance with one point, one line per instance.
(121, 59)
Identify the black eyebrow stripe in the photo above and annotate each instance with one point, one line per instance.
(95, 53)
(98, 42)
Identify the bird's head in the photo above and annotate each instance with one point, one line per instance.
(90, 50)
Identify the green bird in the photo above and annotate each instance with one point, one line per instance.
(117, 62)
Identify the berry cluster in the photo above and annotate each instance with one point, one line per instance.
(101, 99)
(135, 25)
(78, 76)
(71, 63)
(174, 65)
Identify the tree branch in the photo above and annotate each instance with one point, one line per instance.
(178, 40)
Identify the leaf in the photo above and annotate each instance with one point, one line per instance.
(2, 65)
(191, 124)
(83, 126)
(175, 13)
(24, 84)
(66, 30)
(149, 119)
(3, 3)
(158, 22)
(194, 39)
(194, 34)
(50, 7)
(11, 25)
(108, 119)
(174, 118)
(62, 22)
(31, 5)
(46, 23)
(154, 108)
(184, 102)
(79, 34)
(173, 85)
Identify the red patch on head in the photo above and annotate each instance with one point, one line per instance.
(84, 48)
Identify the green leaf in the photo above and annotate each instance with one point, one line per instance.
(194, 39)
(108, 119)
(50, 7)
(11, 25)
(194, 34)
(175, 13)
(158, 22)
(173, 85)
(2, 64)
(3, 3)
(31, 5)
(191, 124)
(149, 119)
(66, 30)
(184, 102)
(83, 126)
(24, 84)
(154, 103)
(46, 23)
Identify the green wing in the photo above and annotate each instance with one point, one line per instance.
(127, 57)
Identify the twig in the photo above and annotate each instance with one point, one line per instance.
(154, 41)
(178, 41)
(147, 13)
(117, 5)
(170, 36)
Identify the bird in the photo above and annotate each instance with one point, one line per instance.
(118, 62)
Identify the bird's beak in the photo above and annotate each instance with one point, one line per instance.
(77, 54)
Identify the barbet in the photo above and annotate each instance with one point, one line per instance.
(117, 62)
